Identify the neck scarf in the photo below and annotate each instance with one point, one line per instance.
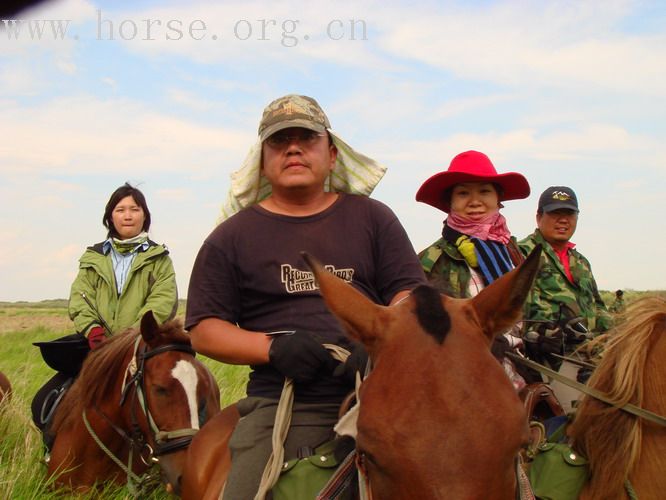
(492, 227)
(491, 258)
(131, 244)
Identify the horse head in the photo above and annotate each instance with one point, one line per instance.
(438, 415)
(140, 394)
(179, 392)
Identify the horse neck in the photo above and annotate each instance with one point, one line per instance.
(647, 476)
(619, 445)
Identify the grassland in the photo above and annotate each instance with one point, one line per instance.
(22, 472)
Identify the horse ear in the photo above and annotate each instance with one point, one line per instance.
(355, 311)
(149, 327)
(499, 306)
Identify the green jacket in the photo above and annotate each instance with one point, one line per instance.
(446, 268)
(150, 285)
(552, 288)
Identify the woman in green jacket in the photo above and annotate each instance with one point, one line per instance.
(119, 280)
(124, 276)
(476, 246)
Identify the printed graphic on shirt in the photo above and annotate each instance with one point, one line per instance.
(296, 280)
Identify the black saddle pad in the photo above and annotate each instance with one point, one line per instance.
(65, 354)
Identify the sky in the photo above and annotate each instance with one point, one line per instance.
(168, 95)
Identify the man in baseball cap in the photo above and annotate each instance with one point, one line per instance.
(252, 300)
(556, 198)
(565, 287)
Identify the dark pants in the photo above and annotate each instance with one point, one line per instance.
(250, 444)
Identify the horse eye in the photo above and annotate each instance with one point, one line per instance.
(160, 391)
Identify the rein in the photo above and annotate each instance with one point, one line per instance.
(165, 441)
(282, 421)
(627, 407)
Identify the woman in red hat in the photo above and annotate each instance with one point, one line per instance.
(476, 246)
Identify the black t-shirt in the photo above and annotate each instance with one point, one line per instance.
(250, 272)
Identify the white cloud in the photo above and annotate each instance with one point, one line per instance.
(107, 80)
(84, 134)
(554, 44)
(189, 100)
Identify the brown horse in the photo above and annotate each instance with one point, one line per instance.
(5, 387)
(438, 418)
(619, 445)
(141, 395)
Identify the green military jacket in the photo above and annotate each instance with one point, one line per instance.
(446, 269)
(150, 285)
(552, 288)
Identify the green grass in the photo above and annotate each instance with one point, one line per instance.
(22, 472)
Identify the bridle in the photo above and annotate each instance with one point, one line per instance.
(165, 441)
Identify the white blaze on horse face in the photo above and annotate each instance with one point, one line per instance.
(186, 374)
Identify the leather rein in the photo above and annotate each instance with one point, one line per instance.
(628, 407)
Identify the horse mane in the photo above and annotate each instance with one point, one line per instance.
(102, 367)
(609, 437)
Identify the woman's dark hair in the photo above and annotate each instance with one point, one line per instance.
(123, 192)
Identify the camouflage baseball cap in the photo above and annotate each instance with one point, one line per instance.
(557, 197)
(292, 111)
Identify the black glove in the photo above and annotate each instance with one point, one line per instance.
(298, 356)
(356, 362)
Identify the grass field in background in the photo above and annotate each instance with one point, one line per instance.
(22, 472)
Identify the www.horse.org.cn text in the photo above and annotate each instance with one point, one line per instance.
(286, 32)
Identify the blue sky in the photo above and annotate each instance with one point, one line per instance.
(564, 92)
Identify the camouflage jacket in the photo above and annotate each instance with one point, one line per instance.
(447, 270)
(552, 288)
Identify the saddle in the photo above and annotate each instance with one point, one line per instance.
(541, 405)
(540, 402)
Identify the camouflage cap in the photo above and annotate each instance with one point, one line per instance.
(292, 111)
(557, 197)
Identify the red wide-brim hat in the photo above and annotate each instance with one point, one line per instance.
(471, 166)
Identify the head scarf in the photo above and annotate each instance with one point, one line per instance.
(354, 173)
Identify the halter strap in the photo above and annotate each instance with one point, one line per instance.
(166, 441)
(167, 348)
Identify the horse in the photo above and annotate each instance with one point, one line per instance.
(439, 418)
(139, 399)
(619, 446)
(5, 387)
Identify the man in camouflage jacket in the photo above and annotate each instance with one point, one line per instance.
(565, 287)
